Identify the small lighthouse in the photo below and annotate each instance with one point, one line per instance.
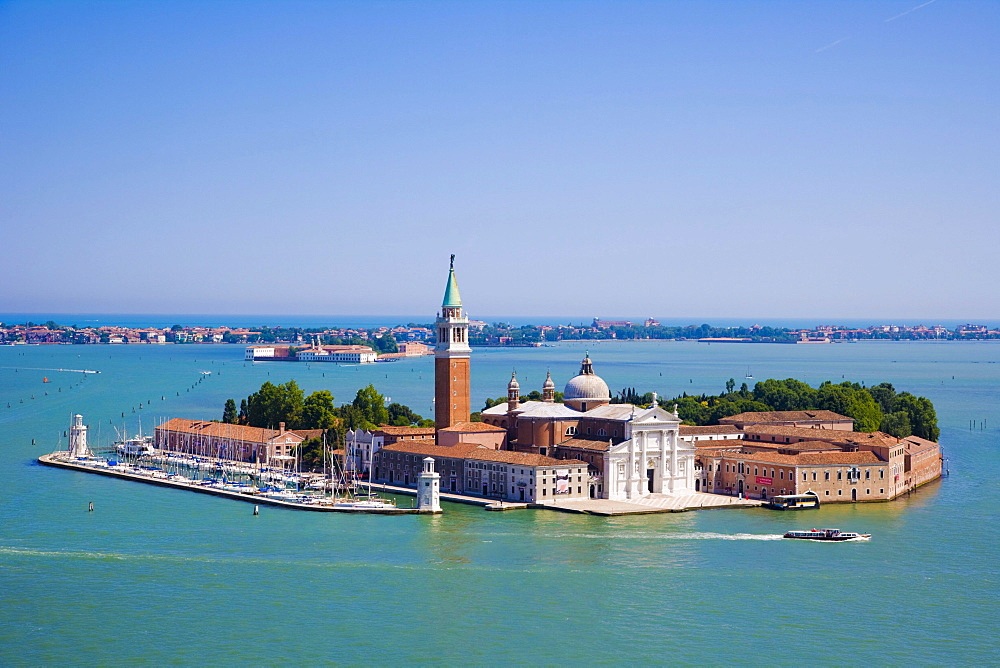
(78, 438)
(429, 488)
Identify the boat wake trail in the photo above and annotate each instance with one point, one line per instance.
(29, 368)
(723, 536)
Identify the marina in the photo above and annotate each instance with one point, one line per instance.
(236, 491)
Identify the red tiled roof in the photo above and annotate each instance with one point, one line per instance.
(389, 430)
(586, 444)
(236, 432)
(785, 416)
(479, 453)
(473, 428)
(687, 430)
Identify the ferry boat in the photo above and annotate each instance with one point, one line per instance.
(827, 534)
(794, 501)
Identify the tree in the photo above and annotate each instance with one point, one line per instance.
(243, 412)
(923, 417)
(884, 395)
(852, 400)
(371, 405)
(229, 414)
(318, 411)
(402, 416)
(896, 424)
(730, 385)
(273, 404)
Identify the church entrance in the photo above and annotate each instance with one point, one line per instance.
(593, 492)
(649, 479)
(697, 485)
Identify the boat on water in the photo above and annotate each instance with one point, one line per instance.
(135, 446)
(794, 501)
(835, 535)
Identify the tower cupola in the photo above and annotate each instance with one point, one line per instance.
(513, 392)
(548, 388)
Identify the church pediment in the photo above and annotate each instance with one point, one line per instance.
(654, 416)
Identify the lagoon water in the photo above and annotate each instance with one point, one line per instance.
(163, 576)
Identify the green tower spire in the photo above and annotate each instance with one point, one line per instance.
(451, 296)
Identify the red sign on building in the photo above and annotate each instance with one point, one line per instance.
(764, 481)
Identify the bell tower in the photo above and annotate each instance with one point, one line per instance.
(451, 359)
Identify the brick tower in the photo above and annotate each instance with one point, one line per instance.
(451, 359)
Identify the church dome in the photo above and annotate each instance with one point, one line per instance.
(513, 384)
(587, 386)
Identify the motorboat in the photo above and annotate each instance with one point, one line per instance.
(827, 534)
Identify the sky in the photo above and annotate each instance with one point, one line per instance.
(824, 159)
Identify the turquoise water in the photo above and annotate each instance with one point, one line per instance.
(162, 576)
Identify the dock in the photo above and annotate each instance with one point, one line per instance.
(59, 460)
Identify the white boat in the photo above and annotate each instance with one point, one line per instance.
(135, 446)
(835, 535)
(365, 504)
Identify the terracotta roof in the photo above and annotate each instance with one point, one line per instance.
(785, 416)
(473, 427)
(915, 444)
(808, 432)
(521, 458)
(687, 430)
(479, 453)
(723, 444)
(600, 445)
(429, 448)
(809, 458)
(389, 430)
(801, 446)
(236, 432)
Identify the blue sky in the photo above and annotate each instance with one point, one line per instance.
(704, 159)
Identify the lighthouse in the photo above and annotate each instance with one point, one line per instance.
(429, 488)
(78, 438)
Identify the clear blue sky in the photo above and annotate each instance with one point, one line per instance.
(749, 159)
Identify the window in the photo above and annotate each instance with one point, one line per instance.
(804, 478)
(840, 475)
(814, 475)
(827, 477)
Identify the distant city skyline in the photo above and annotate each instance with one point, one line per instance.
(745, 161)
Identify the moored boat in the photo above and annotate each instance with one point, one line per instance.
(835, 535)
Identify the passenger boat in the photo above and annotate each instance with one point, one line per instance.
(794, 501)
(827, 534)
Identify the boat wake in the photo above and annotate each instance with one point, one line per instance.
(723, 536)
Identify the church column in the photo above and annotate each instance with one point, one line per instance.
(673, 458)
(644, 486)
(665, 472)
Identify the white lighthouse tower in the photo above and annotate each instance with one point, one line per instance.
(78, 438)
(429, 488)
